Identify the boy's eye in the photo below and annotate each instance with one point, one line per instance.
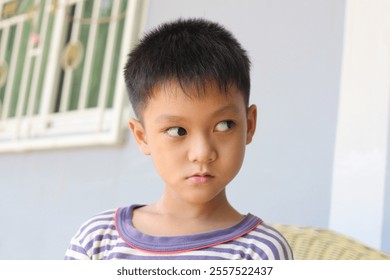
(224, 126)
(176, 131)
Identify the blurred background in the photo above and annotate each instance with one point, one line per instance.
(320, 78)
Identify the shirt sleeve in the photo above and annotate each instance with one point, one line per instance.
(75, 251)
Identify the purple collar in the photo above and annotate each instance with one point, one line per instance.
(182, 243)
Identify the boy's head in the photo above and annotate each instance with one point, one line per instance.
(189, 84)
(191, 53)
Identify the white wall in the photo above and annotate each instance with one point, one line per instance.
(360, 163)
(296, 49)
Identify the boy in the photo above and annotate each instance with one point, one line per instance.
(188, 82)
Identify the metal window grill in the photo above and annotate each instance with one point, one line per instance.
(61, 66)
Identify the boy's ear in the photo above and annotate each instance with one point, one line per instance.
(139, 134)
(251, 123)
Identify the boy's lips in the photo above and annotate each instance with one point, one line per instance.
(200, 177)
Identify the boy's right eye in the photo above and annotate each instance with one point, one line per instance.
(176, 131)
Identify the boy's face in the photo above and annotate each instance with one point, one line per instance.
(197, 144)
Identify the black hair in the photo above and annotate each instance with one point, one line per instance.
(191, 52)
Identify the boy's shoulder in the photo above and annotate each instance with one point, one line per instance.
(91, 235)
(104, 218)
(107, 215)
(99, 222)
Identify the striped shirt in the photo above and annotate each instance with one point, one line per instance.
(110, 235)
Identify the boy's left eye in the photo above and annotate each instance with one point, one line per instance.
(224, 126)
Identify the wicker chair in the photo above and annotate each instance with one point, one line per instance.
(310, 243)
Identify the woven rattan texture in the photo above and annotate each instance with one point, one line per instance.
(310, 243)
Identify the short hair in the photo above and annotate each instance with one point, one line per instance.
(191, 52)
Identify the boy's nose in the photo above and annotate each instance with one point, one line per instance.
(202, 150)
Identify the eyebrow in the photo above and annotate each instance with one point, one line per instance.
(172, 118)
(168, 118)
(227, 109)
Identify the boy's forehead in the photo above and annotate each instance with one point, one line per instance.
(193, 91)
(172, 97)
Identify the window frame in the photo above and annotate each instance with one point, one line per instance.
(97, 126)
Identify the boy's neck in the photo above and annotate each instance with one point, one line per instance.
(167, 218)
(218, 208)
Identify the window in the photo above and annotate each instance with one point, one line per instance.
(61, 62)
